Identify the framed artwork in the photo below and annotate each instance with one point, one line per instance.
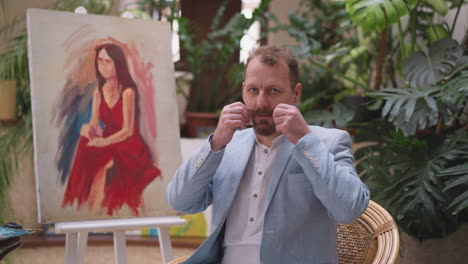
(106, 129)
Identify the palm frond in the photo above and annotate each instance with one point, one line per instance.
(456, 176)
(14, 141)
(455, 90)
(14, 62)
(410, 109)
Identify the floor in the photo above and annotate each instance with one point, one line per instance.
(94, 255)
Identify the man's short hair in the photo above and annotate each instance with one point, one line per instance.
(271, 55)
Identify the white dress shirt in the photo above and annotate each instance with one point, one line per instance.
(244, 223)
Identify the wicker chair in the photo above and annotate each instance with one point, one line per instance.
(372, 238)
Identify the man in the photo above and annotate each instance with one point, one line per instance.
(278, 190)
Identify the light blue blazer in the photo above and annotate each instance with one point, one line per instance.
(313, 187)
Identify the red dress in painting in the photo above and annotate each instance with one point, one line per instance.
(130, 174)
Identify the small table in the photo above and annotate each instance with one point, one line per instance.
(11, 238)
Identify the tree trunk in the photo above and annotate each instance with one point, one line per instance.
(380, 60)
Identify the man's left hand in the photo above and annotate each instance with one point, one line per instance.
(289, 121)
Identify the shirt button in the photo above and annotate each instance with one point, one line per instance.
(259, 172)
(255, 195)
(251, 219)
(265, 150)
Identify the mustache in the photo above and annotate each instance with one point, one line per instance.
(263, 112)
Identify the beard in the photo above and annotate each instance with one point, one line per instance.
(263, 127)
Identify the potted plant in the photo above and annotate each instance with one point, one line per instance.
(13, 60)
(210, 66)
(7, 99)
(15, 128)
(417, 166)
(334, 63)
(217, 74)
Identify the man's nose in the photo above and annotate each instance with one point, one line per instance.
(262, 101)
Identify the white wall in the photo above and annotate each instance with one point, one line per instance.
(281, 8)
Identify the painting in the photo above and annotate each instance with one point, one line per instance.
(105, 121)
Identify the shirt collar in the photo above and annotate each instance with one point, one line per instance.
(276, 142)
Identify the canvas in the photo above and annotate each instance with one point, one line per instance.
(106, 130)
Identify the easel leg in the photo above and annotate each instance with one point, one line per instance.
(82, 242)
(71, 248)
(120, 249)
(165, 244)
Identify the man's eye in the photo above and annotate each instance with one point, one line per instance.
(253, 90)
(274, 90)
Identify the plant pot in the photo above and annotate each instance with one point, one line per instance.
(199, 124)
(183, 81)
(8, 100)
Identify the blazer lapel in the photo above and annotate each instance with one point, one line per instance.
(239, 156)
(279, 165)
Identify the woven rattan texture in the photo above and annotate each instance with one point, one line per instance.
(353, 243)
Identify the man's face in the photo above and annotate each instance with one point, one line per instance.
(265, 87)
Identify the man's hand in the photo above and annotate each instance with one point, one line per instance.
(234, 116)
(289, 121)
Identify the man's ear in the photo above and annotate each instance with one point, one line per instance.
(297, 93)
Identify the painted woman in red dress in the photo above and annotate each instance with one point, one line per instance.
(112, 165)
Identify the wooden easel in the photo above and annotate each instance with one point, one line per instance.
(77, 235)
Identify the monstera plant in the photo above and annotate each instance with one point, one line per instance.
(378, 14)
(334, 61)
(416, 107)
(419, 168)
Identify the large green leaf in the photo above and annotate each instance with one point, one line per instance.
(455, 90)
(338, 117)
(457, 175)
(410, 109)
(440, 6)
(303, 31)
(377, 14)
(461, 202)
(423, 70)
(436, 32)
(462, 64)
(419, 182)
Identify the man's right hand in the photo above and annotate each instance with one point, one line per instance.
(234, 116)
